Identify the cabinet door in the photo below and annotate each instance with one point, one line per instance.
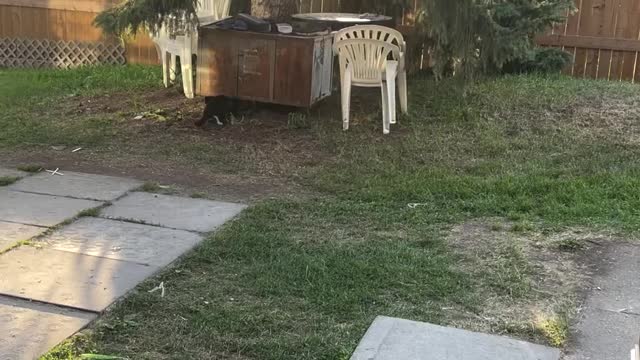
(217, 66)
(256, 63)
(327, 69)
(322, 69)
(294, 58)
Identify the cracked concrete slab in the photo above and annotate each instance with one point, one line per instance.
(11, 233)
(77, 185)
(41, 210)
(68, 279)
(30, 329)
(609, 322)
(120, 240)
(172, 211)
(398, 339)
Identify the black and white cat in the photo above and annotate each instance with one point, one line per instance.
(217, 108)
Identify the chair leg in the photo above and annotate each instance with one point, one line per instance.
(173, 61)
(390, 83)
(346, 99)
(165, 68)
(392, 101)
(187, 74)
(402, 89)
(386, 115)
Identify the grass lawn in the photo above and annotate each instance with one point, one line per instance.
(474, 213)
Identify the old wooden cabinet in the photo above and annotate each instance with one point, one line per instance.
(274, 68)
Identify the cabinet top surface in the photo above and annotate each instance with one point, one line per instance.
(213, 28)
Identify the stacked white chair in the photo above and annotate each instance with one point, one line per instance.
(185, 44)
(365, 63)
(392, 37)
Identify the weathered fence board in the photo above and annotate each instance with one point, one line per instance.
(604, 38)
(67, 21)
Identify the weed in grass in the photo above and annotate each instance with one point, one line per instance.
(93, 212)
(198, 195)
(8, 180)
(151, 187)
(555, 328)
(71, 349)
(521, 227)
(17, 245)
(297, 121)
(570, 244)
(134, 221)
(30, 168)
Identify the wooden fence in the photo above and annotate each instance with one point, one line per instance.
(604, 38)
(67, 23)
(311, 6)
(602, 35)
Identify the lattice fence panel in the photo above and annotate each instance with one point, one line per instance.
(32, 53)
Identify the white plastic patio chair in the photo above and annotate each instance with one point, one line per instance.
(391, 36)
(365, 63)
(185, 44)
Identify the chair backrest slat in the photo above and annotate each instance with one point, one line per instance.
(367, 58)
(217, 9)
(372, 32)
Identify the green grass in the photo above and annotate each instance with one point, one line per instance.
(30, 100)
(47, 108)
(25, 85)
(30, 168)
(7, 180)
(301, 277)
(92, 212)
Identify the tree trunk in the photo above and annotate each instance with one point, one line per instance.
(277, 10)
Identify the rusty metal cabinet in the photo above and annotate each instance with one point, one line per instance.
(272, 68)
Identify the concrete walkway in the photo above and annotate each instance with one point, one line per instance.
(398, 339)
(608, 326)
(49, 292)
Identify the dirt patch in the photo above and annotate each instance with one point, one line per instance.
(536, 280)
(271, 141)
(260, 153)
(612, 118)
(182, 178)
(165, 102)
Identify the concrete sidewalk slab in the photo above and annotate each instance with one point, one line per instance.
(42, 210)
(7, 172)
(77, 185)
(609, 323)
(398, 339)
(119, 240)
(68, 279)
(30, 329)
(172, 211)
(11, 233)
